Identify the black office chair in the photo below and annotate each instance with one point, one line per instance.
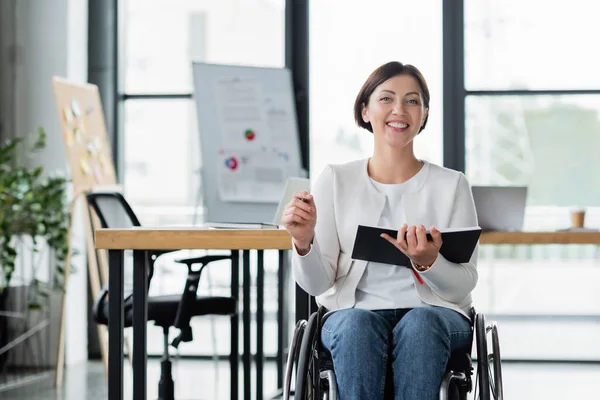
(113, 211)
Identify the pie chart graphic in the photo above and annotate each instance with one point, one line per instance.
(231, 163)
(249, 134)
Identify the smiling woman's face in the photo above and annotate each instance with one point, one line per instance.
(396, 111)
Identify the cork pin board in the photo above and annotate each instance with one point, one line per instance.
(84, 132)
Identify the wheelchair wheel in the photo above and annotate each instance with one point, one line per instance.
(489, 366)
(307, 378)
(293, 357)
(496, 360)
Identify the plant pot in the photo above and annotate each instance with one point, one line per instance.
(33, 334)
(4, 331)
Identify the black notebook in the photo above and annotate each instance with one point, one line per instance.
(457, 247)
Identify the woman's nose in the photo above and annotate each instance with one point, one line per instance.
(398, 108)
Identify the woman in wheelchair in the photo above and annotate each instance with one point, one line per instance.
(405, 319)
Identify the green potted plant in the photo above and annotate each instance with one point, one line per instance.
(34, 220)
(35, 206)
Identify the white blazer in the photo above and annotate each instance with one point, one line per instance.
(345, 198)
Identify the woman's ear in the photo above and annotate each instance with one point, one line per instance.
(365, 113)
(425, 114)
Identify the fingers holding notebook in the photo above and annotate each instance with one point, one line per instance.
(420, 246)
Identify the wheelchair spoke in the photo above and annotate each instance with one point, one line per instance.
(309, 383)
(492, 384)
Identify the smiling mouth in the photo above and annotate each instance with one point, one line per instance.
(397, 125)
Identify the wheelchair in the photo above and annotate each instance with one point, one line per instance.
(315, 378)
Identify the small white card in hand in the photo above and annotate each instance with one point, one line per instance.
(292, 186)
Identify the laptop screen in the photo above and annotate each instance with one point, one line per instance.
(500, 208)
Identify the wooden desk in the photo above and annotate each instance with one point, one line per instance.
(116, 241)
(533, 237)
(190, 238)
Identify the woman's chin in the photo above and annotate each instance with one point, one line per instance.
(399, 141)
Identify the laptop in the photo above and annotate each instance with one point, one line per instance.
(500, 208)
(292, 185)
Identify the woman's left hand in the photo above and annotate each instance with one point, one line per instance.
(413, 242)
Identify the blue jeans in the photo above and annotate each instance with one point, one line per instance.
(416, 343)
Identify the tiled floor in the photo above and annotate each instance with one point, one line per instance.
(200, 380)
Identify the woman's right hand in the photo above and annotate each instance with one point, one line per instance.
(300, 218)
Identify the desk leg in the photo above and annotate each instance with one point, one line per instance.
(234, 356)
(260, 304)
(115, 325)
(282, 314)
(140, 320)
(246, 321)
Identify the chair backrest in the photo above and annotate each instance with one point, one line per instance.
(113, 211)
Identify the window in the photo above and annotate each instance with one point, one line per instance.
(532, 44)
(345, 47)
(163, 36)
(532, 112)
(548, 143)
(160, 139)
(161, 148)
(160, 40)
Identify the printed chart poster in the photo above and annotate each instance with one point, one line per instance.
(251, 176)
(241, 111)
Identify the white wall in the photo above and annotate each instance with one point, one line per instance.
(50, 38)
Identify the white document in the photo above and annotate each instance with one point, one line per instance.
(241, 112)
(251, 176)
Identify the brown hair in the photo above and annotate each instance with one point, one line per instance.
(380, 75)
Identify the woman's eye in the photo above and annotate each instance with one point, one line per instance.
(413, 101)
(385, 98)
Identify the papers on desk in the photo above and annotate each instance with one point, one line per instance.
(172, 228)
(457, 247)
(578, 230)
(211, 225)
(240, 225)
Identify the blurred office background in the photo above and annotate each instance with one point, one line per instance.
(518, 104)
(532, 117)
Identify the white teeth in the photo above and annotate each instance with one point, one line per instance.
(397, 125)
